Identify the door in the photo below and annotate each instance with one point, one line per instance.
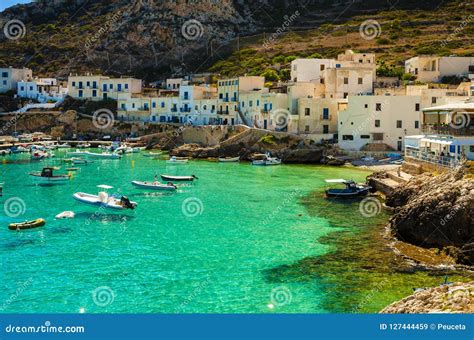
(265, 124)
(399, 145)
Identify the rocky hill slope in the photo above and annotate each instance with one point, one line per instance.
(153, 39)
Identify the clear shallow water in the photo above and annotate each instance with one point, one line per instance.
(262, 240)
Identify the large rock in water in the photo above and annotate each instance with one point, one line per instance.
(435, 211)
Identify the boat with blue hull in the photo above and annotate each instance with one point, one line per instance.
(352, 189)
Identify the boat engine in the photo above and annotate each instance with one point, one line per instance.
(126, 202)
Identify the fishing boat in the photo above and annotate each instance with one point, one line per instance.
(176, 160)
(178, 178)
(352, 189)
(152, 154)
(77, 153)
(267, 160)
(155, 185)
(84, 145)
(229, 159)
(37, 155)
(103, 155)
(39, 222)
(63, 146)
(103, 199)
(46, 176)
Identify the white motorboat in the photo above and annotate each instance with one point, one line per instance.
(103, 199)
(46, 176)
(178, 178)
(152, 154)
(37, 155)
(80, 161)
(177, 160)
(77, 153)
(103, 155)
(63, 146)
(268, 160)
(65, 214)
(5, 152)
(229, 159)
(84, 145)
(155, 185)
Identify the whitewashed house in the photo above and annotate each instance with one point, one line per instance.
(41, 89)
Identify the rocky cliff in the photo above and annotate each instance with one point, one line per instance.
(436, 212)
(452, 298)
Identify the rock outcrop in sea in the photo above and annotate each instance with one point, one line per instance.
(436, 212)
(452, 298)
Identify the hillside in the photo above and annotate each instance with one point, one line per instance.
(153, 39)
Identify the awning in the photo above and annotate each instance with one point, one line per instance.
(463, 142)
(450, 107)
(437, 141)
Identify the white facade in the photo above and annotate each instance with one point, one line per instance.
(41, 89)
(97, 87)
(434, 68)
(378, 119)
(9, 78)
(309, 70)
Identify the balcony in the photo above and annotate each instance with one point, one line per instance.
(449, 130)
(325, 117)
(432, 158)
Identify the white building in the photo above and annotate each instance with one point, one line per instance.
(309, 70)
(41, 89)
(434, 68)
(97, 87)
(378, 120)
(9, 78)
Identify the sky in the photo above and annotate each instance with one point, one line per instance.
(8, 3)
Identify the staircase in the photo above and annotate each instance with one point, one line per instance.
(244, 119)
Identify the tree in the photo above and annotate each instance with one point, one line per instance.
(270, 75)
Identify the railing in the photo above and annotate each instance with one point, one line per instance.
(325, 117)
(448, 130)
(427, 157)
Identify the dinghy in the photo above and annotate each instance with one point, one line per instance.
(103, 199)
(46, 176)
(104, 155)
(178, 178)
(229, 159)
(352, 189)
(65, 214)
(27, 224)
(152, 154)
(155, 185)
(177, 160)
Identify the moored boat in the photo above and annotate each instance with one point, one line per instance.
(84, 145)
(65, 214)
(77, 153)
(63, 146)
(46, 176)
(229, 159)
(176, 160)
(103, 199)
(178, 178)
(152, 154)
(268, 160)
(39, 222)
(352, 189)
(155, 185)
(104, 155)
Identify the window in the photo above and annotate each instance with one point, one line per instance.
(80, 84)
(5, 74)
(417, 124)
(123, 106)
(126, 86)
(346, 80)
(80, 93)
(307, 111)
(88, 84)
(360, 81)
(133, 105)
(347, 137)
(321, 67)
(433, 100)
(399, 124)
(220, 95)
(251, 103)
(243, 104)
(73, 83)
(153, 104)
(94, 93)
(346, 94)
(325, 113)
(417, 107)
(364, 136)
(325, 129)
(321, 80)
(162, 104)
(22, 88)
(366, 106)
(94, 84)
(377, 123)
(378, 107)
(306, 129)
(111, 86)
(258, 102)
(31, 88)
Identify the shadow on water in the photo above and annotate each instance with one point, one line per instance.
(361, 273)
(104, 217)
(17, 243)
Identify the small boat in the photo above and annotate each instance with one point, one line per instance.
(63, 146)
(152, 154)
(229, 159)
(39, 222)
(84, 145)
(104, 155)
(46, 176)
(177, 160)
(37, 155)
(103, 199)
(77, 153)
(72, 169)
(77, 161)
(65, 214)
(18, 149)
(155, 185)
(5, 152)
(268, 160)
(178, 178)
(352, 189)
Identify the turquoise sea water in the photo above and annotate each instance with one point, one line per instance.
(240, 239)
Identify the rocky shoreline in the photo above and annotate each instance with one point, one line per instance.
(448, 298)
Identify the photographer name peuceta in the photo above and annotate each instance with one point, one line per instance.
(422, 327)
